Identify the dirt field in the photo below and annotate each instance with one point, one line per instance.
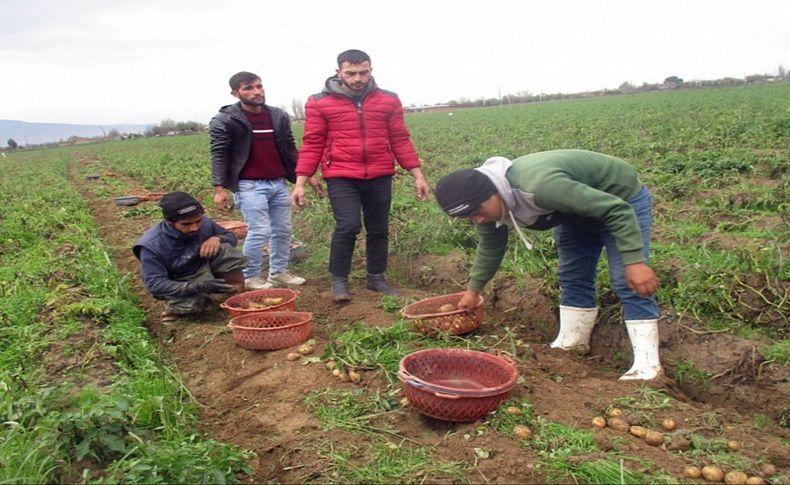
(255, 399)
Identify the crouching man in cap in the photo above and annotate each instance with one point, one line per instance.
(591, 201)
(187, 256)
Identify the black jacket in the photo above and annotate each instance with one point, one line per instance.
(166, 254)
(231, 135)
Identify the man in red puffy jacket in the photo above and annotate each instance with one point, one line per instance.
(356, 132)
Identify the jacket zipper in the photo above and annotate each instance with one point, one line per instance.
(358, 103)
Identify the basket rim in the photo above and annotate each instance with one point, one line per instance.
(234, 322)
(248, 294)
(408, 378)
(231, 223)
(405, 311)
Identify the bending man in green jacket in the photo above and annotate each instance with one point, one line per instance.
(592, 201)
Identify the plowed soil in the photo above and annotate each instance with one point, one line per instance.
(255, 399)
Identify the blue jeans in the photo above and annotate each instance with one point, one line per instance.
(266, 208)
(580, 246)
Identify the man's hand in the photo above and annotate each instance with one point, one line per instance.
(210, 247)
(215, 285)
(297, 194)
(641, 279)
(316, 185)
(469, 300)
(421, 186)
(221, 199)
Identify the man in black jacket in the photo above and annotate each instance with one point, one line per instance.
(186, 256)
(252, 154)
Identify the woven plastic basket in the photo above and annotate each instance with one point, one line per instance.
(424, 316)
(456, 384)
(255, 301)
(239, 228)
(271, 330)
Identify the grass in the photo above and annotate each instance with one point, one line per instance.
(687, 371)
(114, 411)
(385, 463)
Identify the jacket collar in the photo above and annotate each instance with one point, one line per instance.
(333, 85)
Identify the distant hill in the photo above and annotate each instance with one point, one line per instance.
(25, 133)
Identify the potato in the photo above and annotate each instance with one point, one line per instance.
(599, 422)
(522, 432)
(330, 364)
(513, 411)
(354, 376)
(336, 372)
(615, 412)
(305, 349)
(768, 469)
(692, 472)
(293, 356)
(342, 377)
(654, 438)
(735, 478)
(272, 301)
(638, 431)
(733, 445)
(618, 424)
(755, 481)
(712, 473)
(669, 424)
(447, 307)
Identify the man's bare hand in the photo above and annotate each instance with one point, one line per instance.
(221, 199)
(641, 279)
(469, 300)
(316, 185)
(210, 247)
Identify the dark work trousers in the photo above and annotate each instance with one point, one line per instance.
(352, 201)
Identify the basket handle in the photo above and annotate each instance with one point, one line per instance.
(446, 396)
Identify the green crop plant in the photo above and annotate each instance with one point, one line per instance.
(686, 371)
(57, 284)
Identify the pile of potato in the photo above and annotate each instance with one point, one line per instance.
(453, 324)
(343, 376)
(304, 349)
(265, 303)
(619, 421)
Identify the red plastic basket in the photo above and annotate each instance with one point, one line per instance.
(238, 228)
(424, 316)
(456, 384)
(271, 330)
(253, 301)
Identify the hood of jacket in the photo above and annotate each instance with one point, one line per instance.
(334, 85)
(520, 206)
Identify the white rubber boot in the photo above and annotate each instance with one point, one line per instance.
(576, 326)
(644, 341)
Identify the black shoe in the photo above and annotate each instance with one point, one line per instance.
(339, 290)
(377, 282)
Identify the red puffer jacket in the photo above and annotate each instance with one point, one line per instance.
(359, 139)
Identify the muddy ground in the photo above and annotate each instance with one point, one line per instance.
(255, 399)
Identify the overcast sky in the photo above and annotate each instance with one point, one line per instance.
(141, 61)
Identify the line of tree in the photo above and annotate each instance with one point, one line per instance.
(172, 127)
(670, 82)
